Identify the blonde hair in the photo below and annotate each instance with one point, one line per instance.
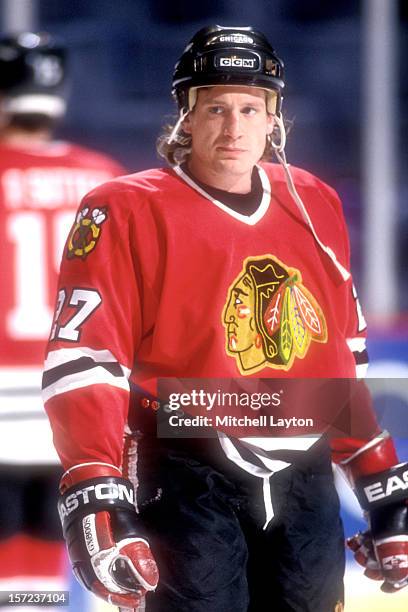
(177, 151)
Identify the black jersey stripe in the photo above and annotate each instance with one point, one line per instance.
(82, 364)
(360, 357)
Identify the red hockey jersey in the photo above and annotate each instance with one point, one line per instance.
(160, 280)
(39, 192)
(40, 189)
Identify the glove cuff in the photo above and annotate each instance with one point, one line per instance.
(378, 455)
(94, 495)
(84, 471)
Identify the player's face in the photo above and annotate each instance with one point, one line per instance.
(228, 126)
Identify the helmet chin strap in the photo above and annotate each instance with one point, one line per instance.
(174, 132)
(279, 149)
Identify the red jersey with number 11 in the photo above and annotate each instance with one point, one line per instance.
(40, 189)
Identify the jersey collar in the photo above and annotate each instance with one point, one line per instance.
(247, 219)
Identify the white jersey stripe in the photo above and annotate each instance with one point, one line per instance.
(282, 443)
(361, 370)
(65, 355)
(356, 345)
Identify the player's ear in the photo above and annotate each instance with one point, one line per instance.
(270, 123)
(186, 125)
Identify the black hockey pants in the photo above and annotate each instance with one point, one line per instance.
(206, 533)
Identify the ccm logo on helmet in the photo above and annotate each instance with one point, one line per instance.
(237, 62)
(99, 492)
(380, 490)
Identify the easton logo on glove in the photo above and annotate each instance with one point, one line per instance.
(383, 488)
(99, 492)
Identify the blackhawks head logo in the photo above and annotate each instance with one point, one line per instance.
(270, 318)
(85, 232)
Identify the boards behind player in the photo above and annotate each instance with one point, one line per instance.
(41, 183)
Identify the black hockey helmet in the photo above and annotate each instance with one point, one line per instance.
(33, 74)
(219, 55)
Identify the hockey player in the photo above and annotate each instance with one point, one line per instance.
(222, 265)
(41, 183)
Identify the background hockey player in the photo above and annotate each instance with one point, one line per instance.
(169, 284)
(41, 184)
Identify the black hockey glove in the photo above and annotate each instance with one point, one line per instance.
(99, 522)
(381, 486)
